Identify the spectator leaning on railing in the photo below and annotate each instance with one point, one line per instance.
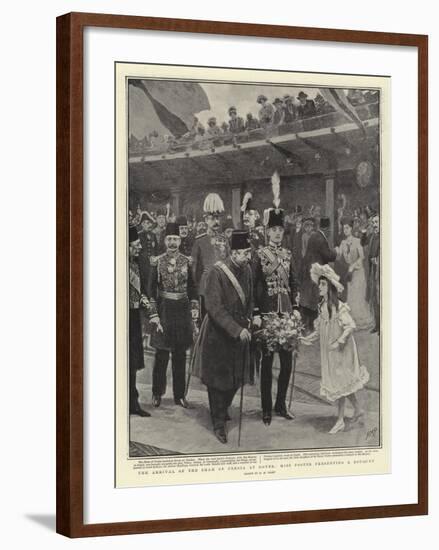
(213, 129)
(290, 111)
(251, 123)
(279, 114)
(307, 108)
(266, 111)
(236, 123)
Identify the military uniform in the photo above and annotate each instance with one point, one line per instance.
(172, 296)
(275, 291)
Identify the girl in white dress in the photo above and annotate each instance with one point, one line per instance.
(351, 250)
(342, 375)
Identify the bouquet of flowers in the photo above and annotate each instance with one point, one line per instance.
(280, 331)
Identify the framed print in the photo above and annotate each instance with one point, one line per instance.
(238, 326)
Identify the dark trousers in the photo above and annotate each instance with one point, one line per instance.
(219, 402)
(282, 382)
(308, 317)
(255, 361)
(134, 394)
(135, 356)
(178, 372)
(376, 310)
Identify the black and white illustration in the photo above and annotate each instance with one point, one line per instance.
(253, 223)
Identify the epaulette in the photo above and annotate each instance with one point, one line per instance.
(201, 235)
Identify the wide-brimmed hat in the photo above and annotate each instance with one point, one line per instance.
(261, 98)
(302, 94)
(326, 271)
(277, 100)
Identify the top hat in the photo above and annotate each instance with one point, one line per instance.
(325, 222)
(181, 220)
(240, 240)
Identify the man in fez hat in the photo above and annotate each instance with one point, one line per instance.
(275, 291)
(137, 299)
(317, 251)
(222, 352)
(172, 297)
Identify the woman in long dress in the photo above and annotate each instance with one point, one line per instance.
(352, 252)
(342, 374)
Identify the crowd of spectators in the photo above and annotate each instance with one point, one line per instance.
(271, 115)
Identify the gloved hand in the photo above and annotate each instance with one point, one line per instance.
(156, 321)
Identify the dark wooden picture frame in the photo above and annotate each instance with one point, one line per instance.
(70, 312)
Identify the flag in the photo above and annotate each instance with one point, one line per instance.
(164, 106)
(338, 99)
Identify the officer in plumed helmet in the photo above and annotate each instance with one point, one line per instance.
(275, 291)
(173, 301)
(209, 247)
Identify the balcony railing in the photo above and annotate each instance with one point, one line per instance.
(365, 111)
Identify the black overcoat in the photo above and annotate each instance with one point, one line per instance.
(317, 251)
(220, 357)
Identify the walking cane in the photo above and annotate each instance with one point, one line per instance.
(244, 363)
(194, 351)
(293, 372)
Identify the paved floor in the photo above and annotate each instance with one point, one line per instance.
(189, 430)
(177, 430)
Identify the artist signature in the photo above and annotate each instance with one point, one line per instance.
(371, 433)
